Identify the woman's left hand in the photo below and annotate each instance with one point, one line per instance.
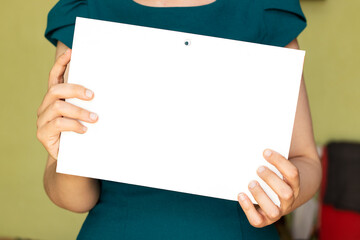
(287, 190)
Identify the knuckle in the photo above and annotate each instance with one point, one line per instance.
(293, 173)
(256, 222)
(71, 88)
(79, 89)
(287, 195)
(38, 135)
(52, 90)
(57, 105)
(81, 112)
(274, 214)
(58, 122)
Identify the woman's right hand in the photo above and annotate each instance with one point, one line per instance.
(54, 114)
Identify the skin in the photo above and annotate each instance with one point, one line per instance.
(301, 171)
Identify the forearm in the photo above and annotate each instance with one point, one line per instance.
(74, 193)
(310, 179)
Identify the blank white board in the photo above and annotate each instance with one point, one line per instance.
(179, 111)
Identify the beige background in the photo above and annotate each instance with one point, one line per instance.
(331, 73)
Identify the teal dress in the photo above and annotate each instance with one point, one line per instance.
(127, 211)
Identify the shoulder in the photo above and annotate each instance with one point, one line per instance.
(61, 20)
(283, 20)
(286, 5)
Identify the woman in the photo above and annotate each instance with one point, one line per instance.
(125, 211)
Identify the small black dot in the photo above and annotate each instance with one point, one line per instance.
(186, 43)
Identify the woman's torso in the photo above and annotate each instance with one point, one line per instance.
(127, 211)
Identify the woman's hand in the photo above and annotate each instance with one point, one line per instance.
(54, 114)
(287, 190)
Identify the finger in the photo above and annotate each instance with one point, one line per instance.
(282, 189)
(63, 91)
(254, 217)
(61, 108)
(57, 71)
(271, 210)
(58, 125)
(289, 171)
(61, 124)
(49, 134)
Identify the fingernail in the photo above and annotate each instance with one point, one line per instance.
(88, 93)
(241, 196)
(261, 169)
(84, 128)
(252, 184)
(93, 116)
(267, 153)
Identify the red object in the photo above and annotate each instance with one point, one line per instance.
(336, 224)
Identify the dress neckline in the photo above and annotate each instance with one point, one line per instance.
(180, 8)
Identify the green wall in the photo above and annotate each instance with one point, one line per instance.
(331, 73)
(25, 61)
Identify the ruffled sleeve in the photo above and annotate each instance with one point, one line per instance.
(284, 20)
(61, 20)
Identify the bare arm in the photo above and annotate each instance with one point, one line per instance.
(74, 193)
(303, 153)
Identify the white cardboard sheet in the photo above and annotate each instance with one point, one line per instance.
(189, 118)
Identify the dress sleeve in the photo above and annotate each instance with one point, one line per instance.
(61, 20)
(284, 20)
